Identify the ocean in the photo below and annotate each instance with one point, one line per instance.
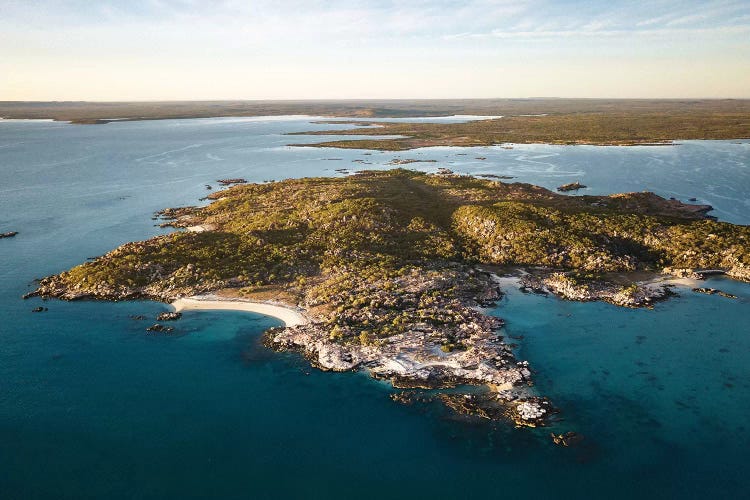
(93, 406)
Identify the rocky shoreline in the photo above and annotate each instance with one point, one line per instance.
(384, 266)
(420, 358)
(467, 351)
(571, 287)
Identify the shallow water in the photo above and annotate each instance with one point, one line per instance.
(92, 406)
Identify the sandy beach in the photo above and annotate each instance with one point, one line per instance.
(287, 315)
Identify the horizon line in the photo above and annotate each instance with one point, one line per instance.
(365, 99)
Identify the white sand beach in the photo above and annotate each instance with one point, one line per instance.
(287, 315)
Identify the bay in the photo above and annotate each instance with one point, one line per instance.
(92, 406)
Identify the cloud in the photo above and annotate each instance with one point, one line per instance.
(240, 44)
(376, 19)
(597, 33)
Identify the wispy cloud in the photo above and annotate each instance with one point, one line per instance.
(183, 41)
(439, 19)
(729, 31)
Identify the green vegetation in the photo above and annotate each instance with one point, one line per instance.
(375, 253)
(601, 128)
(556, 121)
(601, 241)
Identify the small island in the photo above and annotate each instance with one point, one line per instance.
(573, 186)
(389, 271)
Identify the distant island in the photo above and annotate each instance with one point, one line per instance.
(536, 120)
(388, 271)
(621, 126)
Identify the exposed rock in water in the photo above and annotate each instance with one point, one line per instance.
(714, 291)
(398, 161)
(9, 234)
(573, 186)
(177, 217)
(567, 439)
(528, 411)
(169, 316)
(494, 176)
(570, 286)
(411, 397)
(159, 328)
(39, 309)
(227, 182)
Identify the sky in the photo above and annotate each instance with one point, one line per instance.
(356, 49)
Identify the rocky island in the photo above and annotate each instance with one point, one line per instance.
(573, 186)
(391, 269)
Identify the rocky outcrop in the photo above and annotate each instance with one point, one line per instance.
(159, 328)
(566, 439)
(418, 358)
(530, 412)
(9, 234)
(714, 291)
(169, 316)
(683, 273)
(413, 359)
(406, 161)
(177, 217)
(227, 182)
(739, 272)
(735, 270)
(573, 186)
(572, 287)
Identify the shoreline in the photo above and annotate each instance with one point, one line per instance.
(285, 314)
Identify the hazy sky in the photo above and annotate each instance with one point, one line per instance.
(287, 49)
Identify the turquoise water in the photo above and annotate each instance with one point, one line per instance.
(92, 406)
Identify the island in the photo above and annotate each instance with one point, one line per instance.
(562, 122)
(391, 271)
(573, 186)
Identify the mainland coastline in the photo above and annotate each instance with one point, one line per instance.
(621, 122)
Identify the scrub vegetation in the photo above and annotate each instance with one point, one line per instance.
(350, 248)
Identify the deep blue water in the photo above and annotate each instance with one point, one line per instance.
(91, 406)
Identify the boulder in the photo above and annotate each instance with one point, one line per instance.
(169, 316)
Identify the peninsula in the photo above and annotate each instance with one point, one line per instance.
(534, 120)
(623, 127)
(388, 271)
